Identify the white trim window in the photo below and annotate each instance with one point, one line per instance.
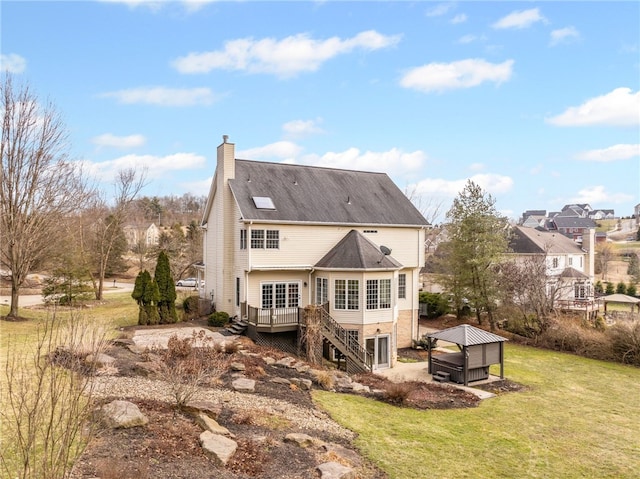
(347, 294)
(280, 295)
(581, 290)
(322, 290)
(378, 293)
(243, 239)
(402, 286)
(265, 239)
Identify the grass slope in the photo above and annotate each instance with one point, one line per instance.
(580, 418)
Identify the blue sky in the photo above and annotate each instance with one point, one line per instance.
(538, 102)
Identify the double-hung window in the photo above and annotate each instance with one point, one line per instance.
(243, 239)
(402, 286)
(322, 290)
(265, 239)
(346, 294)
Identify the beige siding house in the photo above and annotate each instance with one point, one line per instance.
(280, 237)
(569, 266)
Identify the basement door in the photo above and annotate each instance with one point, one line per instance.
(379, 348)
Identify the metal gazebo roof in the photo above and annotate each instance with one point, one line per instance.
(467, 335)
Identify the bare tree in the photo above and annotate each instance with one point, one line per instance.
(103, 231)
(38, 185)
(605, 254)
(430, 207)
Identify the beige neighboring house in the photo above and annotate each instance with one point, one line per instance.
(280, 237)
(570, 266)
(146, 234)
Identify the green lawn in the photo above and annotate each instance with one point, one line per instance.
(116, 311)
(580, 418)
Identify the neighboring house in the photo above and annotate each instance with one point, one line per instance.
(636, 213)
(581, 210)
(533, 218)
(141, 234)
(573, 227)
(280, 237)
(569, 267)
(602, 215)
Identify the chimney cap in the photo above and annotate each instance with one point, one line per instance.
(225, 138)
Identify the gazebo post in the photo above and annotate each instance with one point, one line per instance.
(465, 355)
(501, 360)
(429, 350)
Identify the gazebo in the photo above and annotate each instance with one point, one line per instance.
(621, 299)
(479, 349)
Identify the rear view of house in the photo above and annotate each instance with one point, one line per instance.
(280, 237)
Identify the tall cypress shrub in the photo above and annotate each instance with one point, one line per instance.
(167, 288)
(147, 295)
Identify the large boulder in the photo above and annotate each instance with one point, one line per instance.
(217, 447)
(244, 385)
(335, 470)
(122, 414)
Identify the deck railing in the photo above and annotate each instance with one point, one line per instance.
(272, 318)
(346, 343)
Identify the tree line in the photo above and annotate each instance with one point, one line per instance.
(54, 218)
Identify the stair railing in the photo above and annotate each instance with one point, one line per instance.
(352, 346)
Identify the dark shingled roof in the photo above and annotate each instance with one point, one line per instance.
(573, 273)
(467, 335)
(355, 251)
(537, 241)
(573, 222)
(321, 195)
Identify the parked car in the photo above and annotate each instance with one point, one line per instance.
(187, 282)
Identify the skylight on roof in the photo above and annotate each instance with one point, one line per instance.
(263, 203)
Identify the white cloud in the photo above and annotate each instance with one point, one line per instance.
(395, 162)
(164, 96)
(469, 39)
(491, 183)
(278, 151)
(439, 10)
(200, 187)
(157, 5)
(298, 128)
(284, 58)
(599, 196)
(113, 141)
(460, 18)
(563, 35)
(520, 19)
(12, 63)
(156, 166)
(461, 74)
(612, 153)
(477, 166)
(620, 107)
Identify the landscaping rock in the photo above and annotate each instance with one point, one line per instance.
(302, 383)
(335, 470)
(359, 388)
(287, 362)
(284, 381)
(268, 360)
(209, 408)
(100, 360)
(237, 366)
(208, 424)
(122, 414)
(346, 455)
(302, 440)
(244, 385)
(217, 447)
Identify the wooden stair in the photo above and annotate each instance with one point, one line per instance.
(358, 359)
